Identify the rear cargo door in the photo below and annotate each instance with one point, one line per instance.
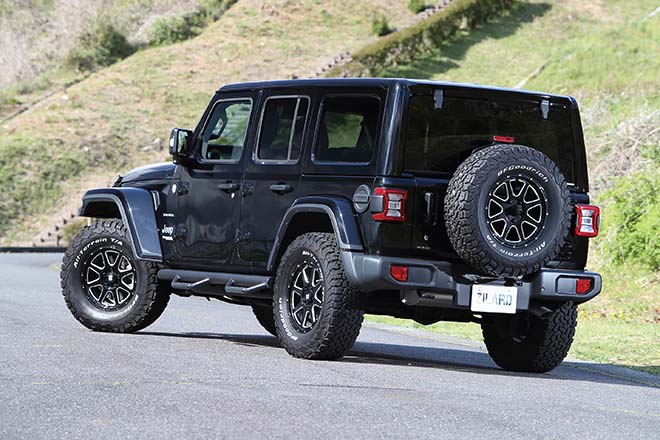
(444, 128)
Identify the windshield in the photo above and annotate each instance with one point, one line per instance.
(438, 140)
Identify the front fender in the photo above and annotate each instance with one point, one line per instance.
(135, 206)
(340, 212)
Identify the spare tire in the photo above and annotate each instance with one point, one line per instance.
(507, 210)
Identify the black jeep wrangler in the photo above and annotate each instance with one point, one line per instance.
(316, 201)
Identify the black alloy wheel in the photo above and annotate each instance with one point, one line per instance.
(306, 295)
(516, 210)
(109, 278)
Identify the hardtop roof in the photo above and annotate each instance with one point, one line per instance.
(384, 83)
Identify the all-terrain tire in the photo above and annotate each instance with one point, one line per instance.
(144, 307)
(339, 322)
(471, 228)
(265, 317)
(539, 348)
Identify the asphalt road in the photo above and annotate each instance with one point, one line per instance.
(207, 370)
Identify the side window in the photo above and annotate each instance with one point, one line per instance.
(282, 126)
(224, 135)
(347, 129)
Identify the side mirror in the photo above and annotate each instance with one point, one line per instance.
(180, 140)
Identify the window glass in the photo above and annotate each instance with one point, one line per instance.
(282, 128)
(440, 140)
(224, 135)
(348, 128)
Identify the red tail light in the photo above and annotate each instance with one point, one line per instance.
(588, 220)
(399, 273)
(583, 285)
(393, 206)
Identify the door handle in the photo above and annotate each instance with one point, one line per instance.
(228, 187)
(280, 188)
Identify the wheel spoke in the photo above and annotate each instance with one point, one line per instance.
(499, 226)
(495, 209)
(111, 257)
(98, 262)
(130, 284)
(96, 276)
(535, 213)
(517, 187)
(124, 265)
(305, 276)
(527, 226)
(512, 232)
(304, 320)
(96, 291)
(534, 195)
(502, 192)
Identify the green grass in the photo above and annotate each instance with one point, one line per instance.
(611, 341)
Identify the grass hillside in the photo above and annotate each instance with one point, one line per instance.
(100, 126)
(606, 53)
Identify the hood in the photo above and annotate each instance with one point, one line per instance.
(156, 171)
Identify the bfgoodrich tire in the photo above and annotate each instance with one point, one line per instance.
(527, 343)
(314, 302)
(507, 210)
(105, 287)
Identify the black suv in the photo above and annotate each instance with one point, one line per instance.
(316, 201)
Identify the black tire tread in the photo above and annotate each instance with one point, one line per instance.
(151, 310)
(340, 323)
(543, 350)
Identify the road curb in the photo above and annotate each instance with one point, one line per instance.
(33, 250)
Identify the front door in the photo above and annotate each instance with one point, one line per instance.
(272, 174)
(209, 193)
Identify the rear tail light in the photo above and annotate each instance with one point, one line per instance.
(392, 207)
(399, 273)
(588, 219)
(583, 285)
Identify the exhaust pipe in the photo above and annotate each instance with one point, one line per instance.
(540, 311)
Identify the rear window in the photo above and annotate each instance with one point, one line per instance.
(438, 140)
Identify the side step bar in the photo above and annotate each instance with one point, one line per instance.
(218, 283)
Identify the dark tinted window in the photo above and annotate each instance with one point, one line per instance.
(282, 129)
(439, 140)
(224, 135)
(348, 129)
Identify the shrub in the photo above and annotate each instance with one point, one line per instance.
(70, 230)
(100, 44)
(631, 220)
(416, 6)
(174, 29)
(426, 35)
(379, 26)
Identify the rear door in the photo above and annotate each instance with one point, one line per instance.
(440, 137)
(272, 177)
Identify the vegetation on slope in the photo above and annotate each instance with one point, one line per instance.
(100, 125)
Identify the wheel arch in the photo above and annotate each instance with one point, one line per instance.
(135, 207)
(317, 214)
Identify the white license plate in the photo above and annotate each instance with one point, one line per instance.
(493, 299)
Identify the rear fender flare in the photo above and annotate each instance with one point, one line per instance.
(340, 212)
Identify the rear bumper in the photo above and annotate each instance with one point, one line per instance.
(443, 284)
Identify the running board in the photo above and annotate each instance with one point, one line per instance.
(218, 283)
